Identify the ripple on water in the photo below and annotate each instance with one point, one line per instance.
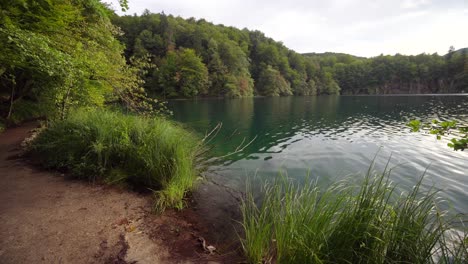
(330, 137)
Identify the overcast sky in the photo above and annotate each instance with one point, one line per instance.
(365, 28)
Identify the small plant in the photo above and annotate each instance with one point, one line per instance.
(144, 152)
(369, 223)
(438, 128)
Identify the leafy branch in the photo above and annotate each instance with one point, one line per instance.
(442, 128)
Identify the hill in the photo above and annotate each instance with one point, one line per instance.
(197, 58)
(227, 61)
(462, 51)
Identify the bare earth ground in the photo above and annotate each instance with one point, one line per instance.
(46, 218)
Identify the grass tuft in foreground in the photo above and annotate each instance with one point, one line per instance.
(101, 145)
(370, 223)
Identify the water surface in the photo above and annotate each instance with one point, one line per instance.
(330, 137)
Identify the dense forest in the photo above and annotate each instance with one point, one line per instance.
(57, 55)
(197, 58)
(423, 73)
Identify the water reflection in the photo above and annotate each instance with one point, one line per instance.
(331, 137)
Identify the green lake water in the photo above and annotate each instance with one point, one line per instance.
(331, 137)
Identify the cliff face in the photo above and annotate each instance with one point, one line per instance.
(416, 87)
(439, 86)
(399, 74)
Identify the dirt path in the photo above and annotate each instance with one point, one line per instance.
(45, 218)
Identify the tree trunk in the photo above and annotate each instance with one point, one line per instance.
(10, 110)
(64, 103)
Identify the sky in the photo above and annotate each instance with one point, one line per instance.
(364, 28)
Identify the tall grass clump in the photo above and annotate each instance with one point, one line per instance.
(101, 145)
(347, 223)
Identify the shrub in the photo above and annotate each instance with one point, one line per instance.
(115, 148)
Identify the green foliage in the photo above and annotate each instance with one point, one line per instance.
(345, 223)
(272, 83)
(423, 73)
(130, 94)
(99, 145)
(182, 74)
(440, 129)
(415, 125)
(64, 54)
(59, 55)
(33, 66)
(236, 59)
(123, 5)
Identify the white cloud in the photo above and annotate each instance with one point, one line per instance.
(413, 3)
(365, 28)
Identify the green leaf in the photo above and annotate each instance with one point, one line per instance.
(415, 125)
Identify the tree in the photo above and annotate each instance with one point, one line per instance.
(182, 74)
(56, 55)
(326, 83)
(193, 78)
(166, 74)
(272, 83)
(451, 49)
(147, 42)
(217, 70)
(237, 59)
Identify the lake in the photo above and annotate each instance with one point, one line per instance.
(331, 137)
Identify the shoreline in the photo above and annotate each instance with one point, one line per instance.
(47, 218)
(347, 95)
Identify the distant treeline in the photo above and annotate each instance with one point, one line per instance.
(423, 73)
(197, 58)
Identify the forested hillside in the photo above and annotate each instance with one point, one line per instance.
(197, 58)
